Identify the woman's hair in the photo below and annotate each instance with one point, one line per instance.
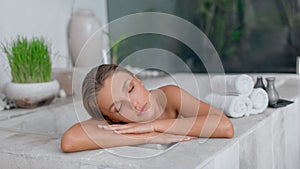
(93, 82)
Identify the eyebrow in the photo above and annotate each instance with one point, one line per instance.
(123, 89)
(125, 84)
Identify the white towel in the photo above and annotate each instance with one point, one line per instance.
(259, 98)
(233, 106)
(235, 85)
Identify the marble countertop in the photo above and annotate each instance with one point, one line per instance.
(259, 141)
(8, 114)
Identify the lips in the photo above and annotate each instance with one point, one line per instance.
(143, 109)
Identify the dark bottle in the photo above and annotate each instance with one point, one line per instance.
(259, 83)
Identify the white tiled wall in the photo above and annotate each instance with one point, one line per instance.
(47, 18)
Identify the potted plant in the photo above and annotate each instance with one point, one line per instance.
(30, 63)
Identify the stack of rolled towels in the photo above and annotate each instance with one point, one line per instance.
(235, 95)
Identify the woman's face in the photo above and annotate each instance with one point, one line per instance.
(124, 98)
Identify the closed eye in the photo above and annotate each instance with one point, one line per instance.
(131, 89)
(118, 110)
(131, 86)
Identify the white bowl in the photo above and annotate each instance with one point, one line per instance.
(29, 95)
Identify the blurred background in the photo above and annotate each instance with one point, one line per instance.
(249, 35)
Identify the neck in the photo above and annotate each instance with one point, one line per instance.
(158, 102)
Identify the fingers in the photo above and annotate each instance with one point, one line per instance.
(128, 128)
(133, 130)
(187, 138)
(114, 127)
(181, 138)
(170, 138)
(121, 129)
(163, 138)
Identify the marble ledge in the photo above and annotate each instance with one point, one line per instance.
(16, 112)
(267, 140)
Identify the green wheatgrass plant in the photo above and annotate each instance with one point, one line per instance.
(29, 60)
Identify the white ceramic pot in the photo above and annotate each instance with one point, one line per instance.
(85, 39)
(5, 74)
(30, 95)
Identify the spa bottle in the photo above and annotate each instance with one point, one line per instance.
(259, 83)
(271, 90)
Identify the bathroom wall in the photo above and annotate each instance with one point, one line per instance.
(43, 18)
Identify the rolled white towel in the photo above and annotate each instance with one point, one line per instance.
(235, 85)
(233, 106)
(259, 99)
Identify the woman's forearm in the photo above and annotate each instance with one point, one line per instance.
(200, 126)
(87, 136)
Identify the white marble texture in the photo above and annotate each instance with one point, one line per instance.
(267, 140)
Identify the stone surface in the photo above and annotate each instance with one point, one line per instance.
(31, 139)
(9, 114)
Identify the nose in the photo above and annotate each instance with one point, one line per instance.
(134, 103)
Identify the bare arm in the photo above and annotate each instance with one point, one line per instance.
(87, 136)
(199, 119)
(200, 126)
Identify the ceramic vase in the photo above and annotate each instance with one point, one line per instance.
(30, 95)
(85, 38)
(271, 90)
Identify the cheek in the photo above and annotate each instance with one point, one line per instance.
(139, 96)
(128, 115)
(146, 95)
(143, 92)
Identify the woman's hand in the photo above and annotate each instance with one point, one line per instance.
(148, 130)
(165, 138)
(133, 128)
